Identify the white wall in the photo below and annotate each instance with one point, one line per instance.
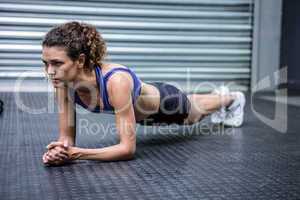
(266, 41)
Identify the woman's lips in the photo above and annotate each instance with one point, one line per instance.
(55, 80)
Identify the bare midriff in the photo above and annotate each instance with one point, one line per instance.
(147, 103)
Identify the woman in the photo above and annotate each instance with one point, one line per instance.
(73, 55)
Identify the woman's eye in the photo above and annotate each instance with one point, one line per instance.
(57, 64)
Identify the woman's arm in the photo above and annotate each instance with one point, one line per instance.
(58, 154)
(124, 150)
(119, 88)
(67, 120)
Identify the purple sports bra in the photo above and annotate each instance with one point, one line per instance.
(102, 84)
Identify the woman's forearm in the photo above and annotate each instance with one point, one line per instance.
(70, 140)
(111, 153)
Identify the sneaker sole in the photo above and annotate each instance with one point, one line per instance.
(224, 91)
(243, 103)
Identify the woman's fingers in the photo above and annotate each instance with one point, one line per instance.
(57, 153)
(58, 161)
(53, 155)
(45, 160)
(54, 144)
(50, 157)
(61, 150)
(62, 156)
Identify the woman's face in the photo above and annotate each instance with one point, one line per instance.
(60, 68)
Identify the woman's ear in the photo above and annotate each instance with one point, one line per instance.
(81, 60)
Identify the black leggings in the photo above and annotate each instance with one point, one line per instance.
(174, 106)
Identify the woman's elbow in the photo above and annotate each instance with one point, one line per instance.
(128, 152)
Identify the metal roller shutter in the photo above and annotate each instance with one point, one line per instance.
(177, 41)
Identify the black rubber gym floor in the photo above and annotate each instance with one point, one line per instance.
(252, 162)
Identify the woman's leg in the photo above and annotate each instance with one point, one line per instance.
(205, 104)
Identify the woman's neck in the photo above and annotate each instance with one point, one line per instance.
(85, 81)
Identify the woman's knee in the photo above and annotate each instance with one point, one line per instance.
(198, 106)
(194, 116)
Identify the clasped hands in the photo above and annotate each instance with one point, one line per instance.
(58, 153)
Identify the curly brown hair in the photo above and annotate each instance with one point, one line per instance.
(78, 38)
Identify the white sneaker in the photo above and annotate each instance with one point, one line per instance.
(220, 115)
(235, 112)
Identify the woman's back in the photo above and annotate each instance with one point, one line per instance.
(145, 96)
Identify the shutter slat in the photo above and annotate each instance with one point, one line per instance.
(161, 40)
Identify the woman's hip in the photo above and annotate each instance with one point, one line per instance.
(174, 106)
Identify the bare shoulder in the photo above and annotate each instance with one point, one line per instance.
(119, 84)
(120, 81)
(119, 91)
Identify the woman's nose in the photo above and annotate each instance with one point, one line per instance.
(51, 72)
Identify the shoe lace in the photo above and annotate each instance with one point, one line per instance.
(231, 112)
